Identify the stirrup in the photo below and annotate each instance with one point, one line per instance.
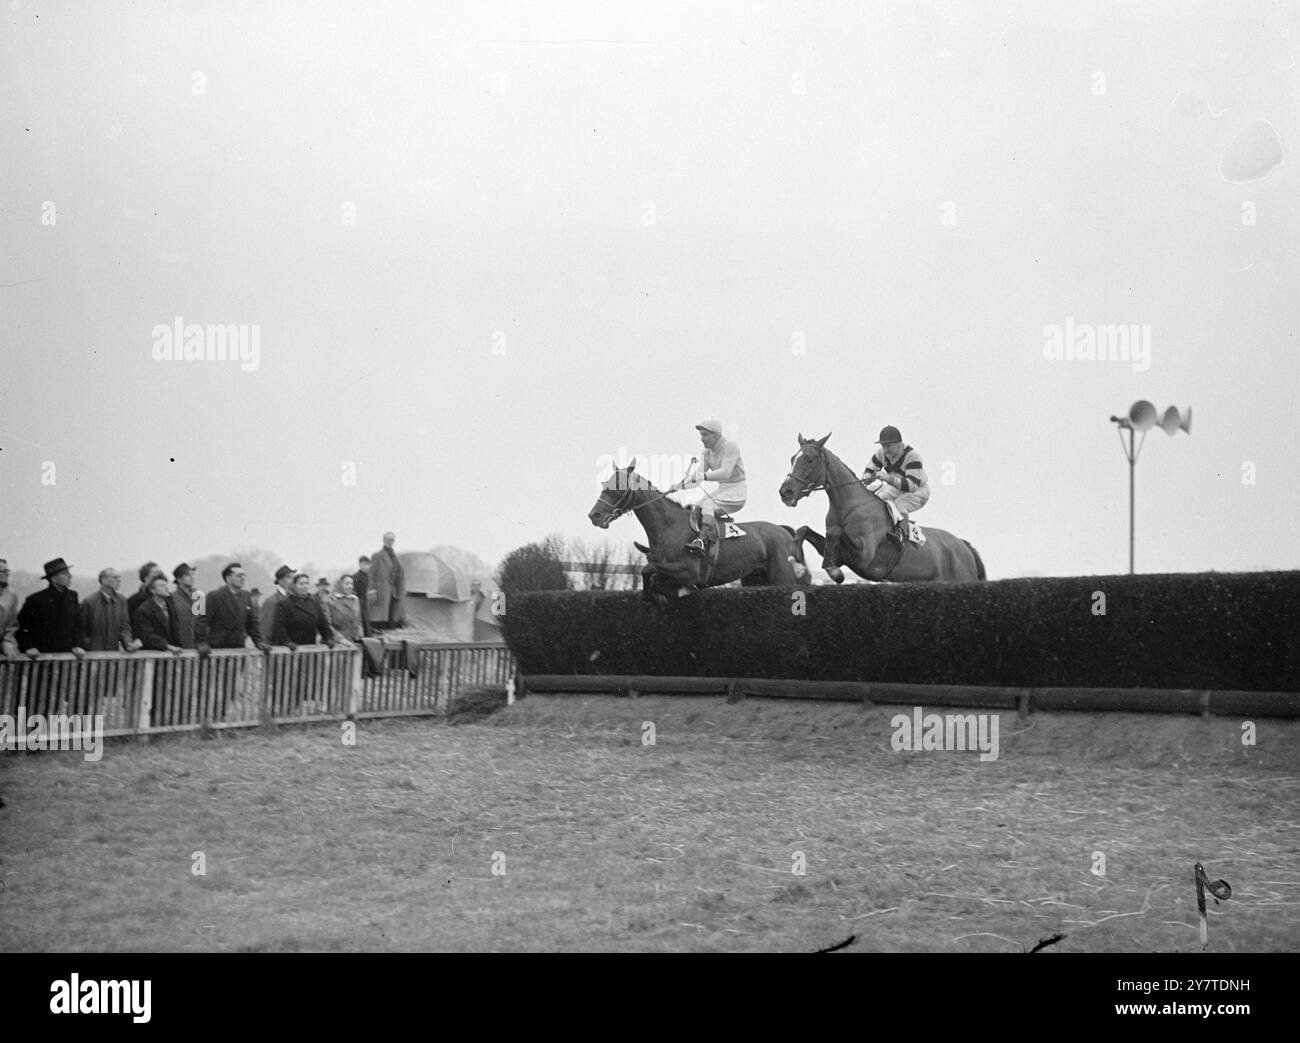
(696, 547)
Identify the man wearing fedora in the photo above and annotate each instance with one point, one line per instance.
(719, 463)
(266, 612)
(904, 487)
(49, 620)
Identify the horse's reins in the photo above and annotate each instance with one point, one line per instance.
(620, 510)
(820, 486)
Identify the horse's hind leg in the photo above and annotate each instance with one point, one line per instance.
(803, 535)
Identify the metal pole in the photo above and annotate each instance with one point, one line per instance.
(1132, 461)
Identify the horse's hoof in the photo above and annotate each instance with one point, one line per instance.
(835, 573)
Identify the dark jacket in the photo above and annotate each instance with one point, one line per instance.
(155, 625)
(230, 619)
(191, 629)
(388, 579)
(105, 624)
(298, 621)
(137, 599)
(50, 620)
(266, 614)
(360, 584)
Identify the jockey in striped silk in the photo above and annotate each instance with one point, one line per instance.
(905, 487)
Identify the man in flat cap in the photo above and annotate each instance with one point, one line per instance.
(721, 463)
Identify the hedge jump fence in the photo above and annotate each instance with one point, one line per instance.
(1022, 700)
(1222, 643)
(149, 693)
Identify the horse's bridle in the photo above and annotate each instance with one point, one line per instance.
(816, 486)
(619, 509)
(625, 502)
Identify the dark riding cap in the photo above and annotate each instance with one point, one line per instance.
(889, 434)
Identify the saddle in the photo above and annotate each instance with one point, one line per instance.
(727, 530)
(727, 527)
(888, 556)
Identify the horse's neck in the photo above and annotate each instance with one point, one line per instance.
(656, 512)
(845, 489)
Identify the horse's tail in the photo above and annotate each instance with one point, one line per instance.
(802, 573)
(979, 562)
(798, 547)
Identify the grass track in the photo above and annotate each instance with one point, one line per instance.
(686, 845)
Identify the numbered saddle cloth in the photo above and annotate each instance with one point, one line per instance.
(732, 530)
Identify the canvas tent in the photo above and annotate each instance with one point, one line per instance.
(446, 603)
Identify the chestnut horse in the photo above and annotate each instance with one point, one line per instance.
(766, 556)
(858, 523)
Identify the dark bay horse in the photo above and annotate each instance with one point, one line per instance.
(858, 522)
(766, 556)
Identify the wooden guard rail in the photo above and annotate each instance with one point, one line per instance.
(144, 693)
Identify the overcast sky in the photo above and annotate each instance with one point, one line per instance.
(486, 245)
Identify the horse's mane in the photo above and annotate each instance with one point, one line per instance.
(649, 487)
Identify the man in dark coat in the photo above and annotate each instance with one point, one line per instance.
(283, 588)
(388, 582)
(361, 587)
(155, 627)
(155, 620)
(229, 617)
(189, 627)
(299, 618)
(147, 572)
(229, 620)
(50, 621)
(105, 624)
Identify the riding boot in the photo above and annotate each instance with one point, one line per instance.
(898, 534)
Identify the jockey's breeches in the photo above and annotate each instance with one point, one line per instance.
(908, 502)
(720, 506)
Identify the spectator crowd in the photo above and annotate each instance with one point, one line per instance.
(168, 616)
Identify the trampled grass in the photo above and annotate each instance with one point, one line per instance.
(601, 842)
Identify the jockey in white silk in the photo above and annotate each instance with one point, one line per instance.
(719, 463)
(903, 483)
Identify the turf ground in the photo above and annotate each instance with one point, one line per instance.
(551, 825)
